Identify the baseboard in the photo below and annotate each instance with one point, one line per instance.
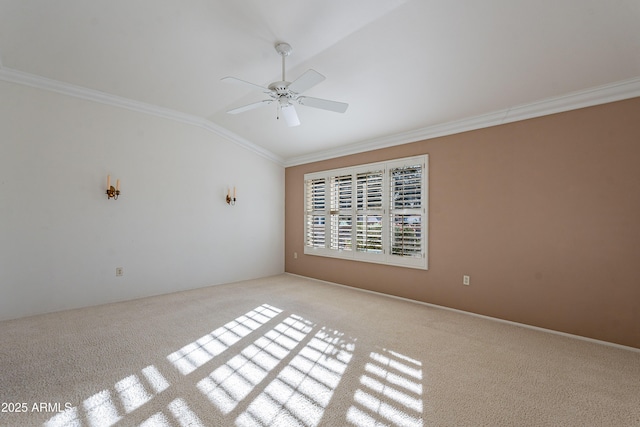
(495, 319)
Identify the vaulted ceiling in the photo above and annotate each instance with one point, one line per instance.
(404, 66)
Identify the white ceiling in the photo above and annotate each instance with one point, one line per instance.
(402, 65)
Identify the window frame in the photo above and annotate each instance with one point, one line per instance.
(387, 213)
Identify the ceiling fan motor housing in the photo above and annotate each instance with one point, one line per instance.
(281, 88)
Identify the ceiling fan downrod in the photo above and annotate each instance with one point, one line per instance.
(284, 49)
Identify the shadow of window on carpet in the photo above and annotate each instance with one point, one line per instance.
(287, 375)
(390, 392)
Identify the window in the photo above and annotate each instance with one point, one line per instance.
(374, 213)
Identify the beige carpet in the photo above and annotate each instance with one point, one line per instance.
(287, 351)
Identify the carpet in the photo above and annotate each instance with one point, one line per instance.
(290, 351)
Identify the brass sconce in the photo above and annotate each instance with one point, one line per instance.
(231, 200)
(112, 193)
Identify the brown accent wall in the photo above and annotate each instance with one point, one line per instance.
(543, 214)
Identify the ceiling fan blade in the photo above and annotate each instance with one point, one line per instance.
(325, 104)
(306, 81)
(250, 106)
(290, 115)
(245, 83)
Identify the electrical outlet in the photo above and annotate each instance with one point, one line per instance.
(466, 280)
(295, 255)
(118, 271)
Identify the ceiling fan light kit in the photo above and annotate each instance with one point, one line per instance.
(288, 93)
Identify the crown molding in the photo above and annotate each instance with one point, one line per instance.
(22, 78)
(617, 91)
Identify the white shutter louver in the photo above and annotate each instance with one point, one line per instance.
(369, 211)
(406, 210)
(315, 213)
(341, 222)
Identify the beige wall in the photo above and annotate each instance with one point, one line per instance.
(543, 214)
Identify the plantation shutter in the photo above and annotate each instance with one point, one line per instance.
(373, 213)
(316, 205)
(406, 210)
(369, 211)
(341, 212)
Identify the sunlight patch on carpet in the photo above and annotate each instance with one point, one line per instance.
(132, 393)
(302, 390)
(195, 354)
(232, 382)
(390, 392)
(68, 418)
(100, 409)
(183, 414)
(156, 420)
(155, 379)
(287, 376)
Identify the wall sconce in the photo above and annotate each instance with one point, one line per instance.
(231, 201)
(112, 193)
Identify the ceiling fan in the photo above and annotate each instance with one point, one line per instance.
(286, 94)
